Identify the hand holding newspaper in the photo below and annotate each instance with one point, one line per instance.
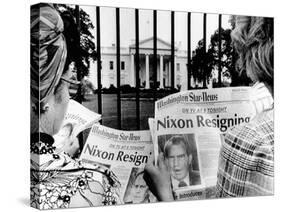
(188, 128)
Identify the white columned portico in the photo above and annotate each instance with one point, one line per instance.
(147, 83)
(132, 72)
(161, 71)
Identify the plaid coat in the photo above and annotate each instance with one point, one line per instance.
(246, 164)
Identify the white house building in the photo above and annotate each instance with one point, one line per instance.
(127, 69)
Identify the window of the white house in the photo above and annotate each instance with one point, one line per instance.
(111, 64)
(178, 67)
(122, 65)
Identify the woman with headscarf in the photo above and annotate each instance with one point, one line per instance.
(246, 163)
(57, 180)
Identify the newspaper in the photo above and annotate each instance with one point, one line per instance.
(77, 119)
(188, 128)
(125, 153)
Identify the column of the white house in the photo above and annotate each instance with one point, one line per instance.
(161, 71)
(175, 73)
(183, 81)
(147, 83)
(169, 75)
(132, 71)
(93, 73)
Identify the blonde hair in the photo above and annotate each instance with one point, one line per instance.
(253, 40)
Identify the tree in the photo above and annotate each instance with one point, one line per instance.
(203, 63)
(80, 45)
(199, 63)
(226, 58)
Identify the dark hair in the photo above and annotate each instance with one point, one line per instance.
(254, 42)
(72, 37)
(137, 175)
(135, 178)
(176, 140)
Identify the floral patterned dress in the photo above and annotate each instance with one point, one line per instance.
(58, 181)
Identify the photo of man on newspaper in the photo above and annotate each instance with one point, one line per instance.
(180, 155)
(137, 190)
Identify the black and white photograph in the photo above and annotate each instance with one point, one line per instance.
(180, 155)
(137, 190)
(121, 66)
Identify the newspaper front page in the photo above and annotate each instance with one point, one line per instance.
(188, 128)
(77, 119)
(125, 153)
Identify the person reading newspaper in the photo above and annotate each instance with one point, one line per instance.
(246, 162)
(57, 180)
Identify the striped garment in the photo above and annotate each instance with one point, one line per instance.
(48, 51)
(246, 164)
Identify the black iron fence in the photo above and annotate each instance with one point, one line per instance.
(154, 61)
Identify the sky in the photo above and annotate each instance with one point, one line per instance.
(127, 26)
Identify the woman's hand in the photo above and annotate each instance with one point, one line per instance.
(158, 179)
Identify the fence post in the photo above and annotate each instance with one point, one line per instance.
(188, 52)
(173, 49)
(78, 67)
(154, 55)
(205, 50)
(219, 54)
(137, 66)
(78, 62)
(99, 61)
(118, 67)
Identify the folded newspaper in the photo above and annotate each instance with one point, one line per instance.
(188, 128)
(125, 153)
(77, 119)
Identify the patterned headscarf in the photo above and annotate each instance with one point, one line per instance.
(48, 51)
